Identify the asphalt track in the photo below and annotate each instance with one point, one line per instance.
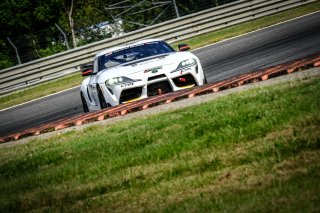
(271, 46)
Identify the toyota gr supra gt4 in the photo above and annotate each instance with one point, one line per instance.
(140, 70)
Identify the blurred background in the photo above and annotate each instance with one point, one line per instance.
(32, 29)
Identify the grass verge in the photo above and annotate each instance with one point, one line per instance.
(40, 90)
(254, 151)
(210, 38)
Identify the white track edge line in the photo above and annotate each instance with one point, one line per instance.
(1, 110)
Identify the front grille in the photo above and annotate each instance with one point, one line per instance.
(184, 80)
(159, 88)
(156, 77)
(129, 94)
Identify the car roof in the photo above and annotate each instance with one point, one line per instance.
(109, 50)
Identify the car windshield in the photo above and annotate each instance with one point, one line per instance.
(133, 53)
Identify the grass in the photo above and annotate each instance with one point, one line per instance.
(254, 151)
(210, 38)
(40, 90)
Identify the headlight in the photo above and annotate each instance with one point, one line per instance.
(119, 80)
(185, 64)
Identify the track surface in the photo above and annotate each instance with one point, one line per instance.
(261, 49)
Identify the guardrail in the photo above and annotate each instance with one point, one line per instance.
(175, 30)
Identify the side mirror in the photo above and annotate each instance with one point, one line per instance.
(183, 47)
(86, 69)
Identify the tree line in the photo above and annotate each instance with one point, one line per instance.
(32, 26)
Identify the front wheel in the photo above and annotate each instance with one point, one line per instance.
(205, 81)
(102, 101)
(84, 103)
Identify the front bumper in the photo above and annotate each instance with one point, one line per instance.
(152, 84)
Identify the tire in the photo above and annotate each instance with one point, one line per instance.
(84, 103)
(102, 101)
(205, 81)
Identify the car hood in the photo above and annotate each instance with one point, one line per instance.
(167, 61)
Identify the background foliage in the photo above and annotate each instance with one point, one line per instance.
(31, 25)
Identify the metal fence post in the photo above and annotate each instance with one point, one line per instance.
(176, 8)
(64, 35)
(15, 48)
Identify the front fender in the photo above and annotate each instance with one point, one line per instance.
(84, 86)
(84, 90)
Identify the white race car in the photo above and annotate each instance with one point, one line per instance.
(143, 69)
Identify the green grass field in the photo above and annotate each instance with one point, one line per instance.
(253, 151)
(210, 38)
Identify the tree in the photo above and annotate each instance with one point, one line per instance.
(21, 20)
(69, 10)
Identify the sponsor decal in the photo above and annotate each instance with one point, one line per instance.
(127, 85)
(129, 47)
(153, 70)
